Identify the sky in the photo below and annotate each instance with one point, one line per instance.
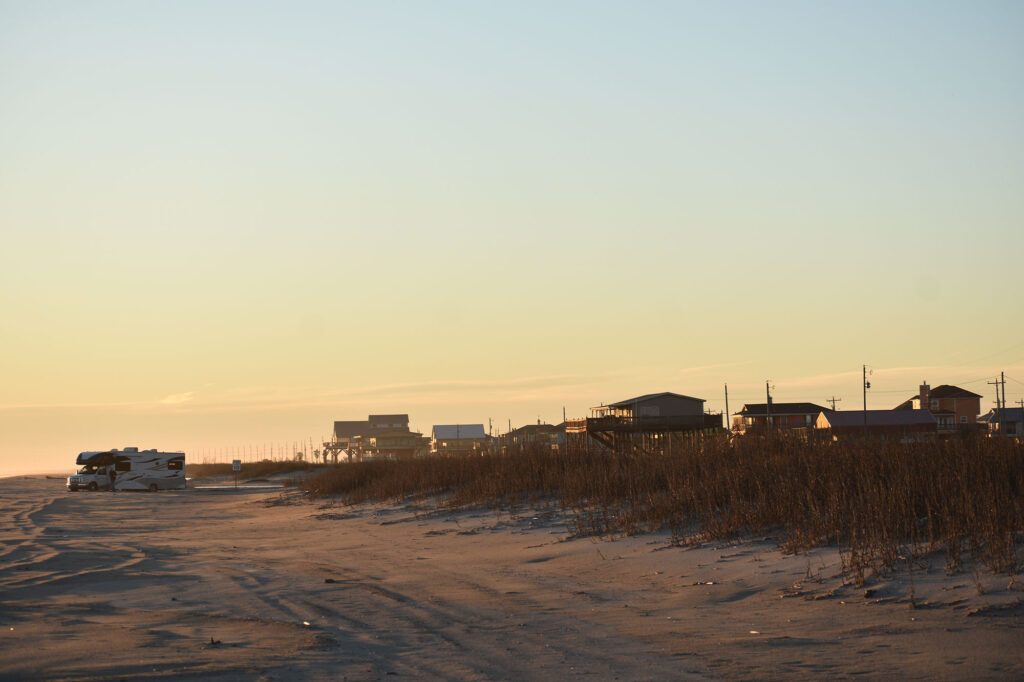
(225, 225)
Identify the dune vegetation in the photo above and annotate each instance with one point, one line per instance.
(885, 505)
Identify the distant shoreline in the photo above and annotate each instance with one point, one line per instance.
(36, 474)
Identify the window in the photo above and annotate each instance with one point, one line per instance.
(935, 404)
(963, 420)
(123, 466)
(175, 465)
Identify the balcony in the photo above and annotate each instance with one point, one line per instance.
(687, 422)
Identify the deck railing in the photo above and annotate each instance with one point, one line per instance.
(647, 423)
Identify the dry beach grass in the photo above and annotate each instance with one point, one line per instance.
(882, 504)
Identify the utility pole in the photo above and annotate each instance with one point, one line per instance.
(999, 407)
(834, 400)
(1002, 380)
(728, 424)
(867, 385)
(768, 405)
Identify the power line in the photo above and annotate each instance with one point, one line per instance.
(974, 381)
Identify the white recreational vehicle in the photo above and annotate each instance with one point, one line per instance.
(133, 470)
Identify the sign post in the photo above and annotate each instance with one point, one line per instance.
(236, 466)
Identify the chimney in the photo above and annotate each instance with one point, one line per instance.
(925, 388)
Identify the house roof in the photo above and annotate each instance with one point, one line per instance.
(946, 391)
(539, 428)
(1009, 414)
(350, 428)
(758, 409)
(458, 431)
(938, 393)
(651, 396)
(879, 417)
(389, 418)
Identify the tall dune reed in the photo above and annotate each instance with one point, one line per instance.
(883, 504)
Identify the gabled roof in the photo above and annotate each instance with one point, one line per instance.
(1007, 414)
(938, 393)
(457, 431)
(651, 396)
(389, 418)
(946, 391)
(759, 409)
(350, 428)
(879, 417)
(539, 428)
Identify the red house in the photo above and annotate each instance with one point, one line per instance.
(954, 408)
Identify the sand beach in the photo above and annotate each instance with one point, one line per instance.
(265, 585)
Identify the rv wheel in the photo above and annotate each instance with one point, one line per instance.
(93, 486)
(153, 487)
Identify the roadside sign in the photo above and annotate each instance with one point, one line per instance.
(236, 465)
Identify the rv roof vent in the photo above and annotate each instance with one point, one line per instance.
(130, 450)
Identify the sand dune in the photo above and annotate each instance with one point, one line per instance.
(265, 585)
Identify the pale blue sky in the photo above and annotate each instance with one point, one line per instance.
(304, 199)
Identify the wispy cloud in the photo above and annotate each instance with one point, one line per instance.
(517, 390)
(258, 398)
(521, 389)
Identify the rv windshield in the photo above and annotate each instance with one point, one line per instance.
(91, 469)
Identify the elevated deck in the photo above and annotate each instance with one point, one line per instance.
(638, 433)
